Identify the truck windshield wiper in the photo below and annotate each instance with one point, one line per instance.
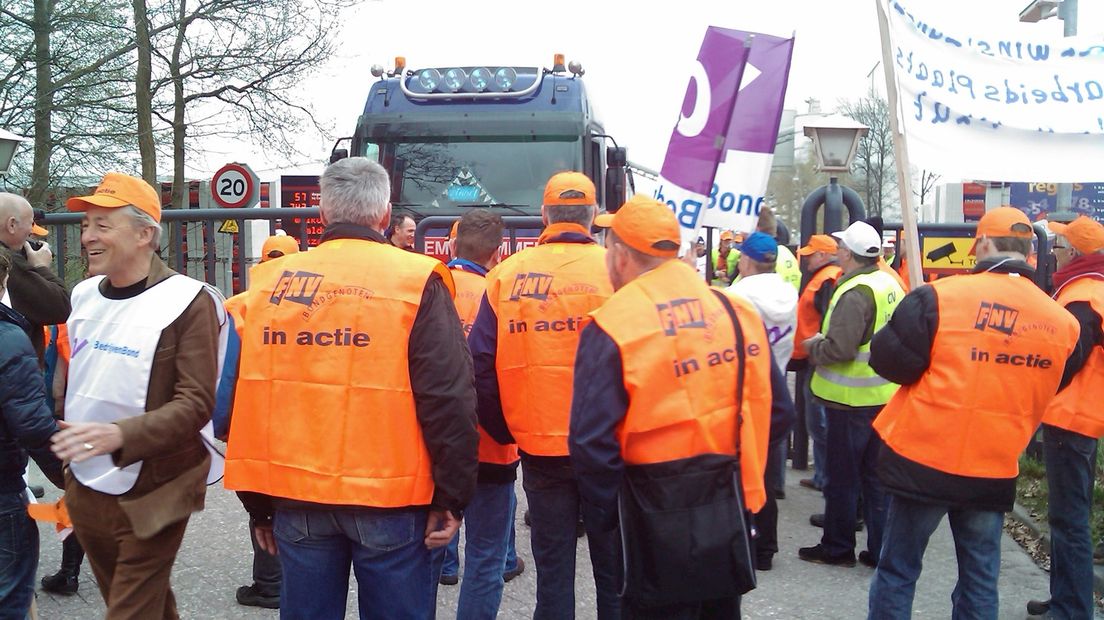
(519, 209)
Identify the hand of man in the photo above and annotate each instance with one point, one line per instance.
(441, 526)
(83, 440)
(812, 340)
(265, 539)
(40, 257)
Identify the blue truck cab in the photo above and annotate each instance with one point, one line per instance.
(454, 138)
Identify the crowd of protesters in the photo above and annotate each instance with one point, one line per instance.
(375, 401)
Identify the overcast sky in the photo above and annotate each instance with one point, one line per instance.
(636, 55)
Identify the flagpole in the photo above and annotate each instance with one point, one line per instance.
(900, 154)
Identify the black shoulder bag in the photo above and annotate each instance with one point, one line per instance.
(685, 534)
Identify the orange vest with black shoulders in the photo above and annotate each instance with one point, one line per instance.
(996, 361)
(678, 357)
(469, 293)
(323, 410)
(808, 317)
(541, 297)
(1078, 407)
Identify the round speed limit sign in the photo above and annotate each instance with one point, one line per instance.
(234, 186)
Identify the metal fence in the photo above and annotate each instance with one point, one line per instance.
(191, 242)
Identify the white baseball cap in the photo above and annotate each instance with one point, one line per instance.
(861, 239)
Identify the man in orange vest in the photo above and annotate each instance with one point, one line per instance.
(645, 426)
(267, 576)
(371, 455)
(820, 263)
(523, 345)
(978, 358)
(1072, 424)
(489, 555)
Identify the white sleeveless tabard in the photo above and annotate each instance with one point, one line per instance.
(113, 342)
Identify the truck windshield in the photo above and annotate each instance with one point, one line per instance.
(444, 173)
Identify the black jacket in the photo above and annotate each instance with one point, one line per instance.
(26, 422)
(38, 295)
(901, 353)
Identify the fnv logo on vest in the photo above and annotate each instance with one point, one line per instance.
(681, 314)
(298, 287)
(997, 317)
(535, 285)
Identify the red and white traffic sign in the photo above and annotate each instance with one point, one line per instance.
(235, 186)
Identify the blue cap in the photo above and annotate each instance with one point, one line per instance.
(760, 247)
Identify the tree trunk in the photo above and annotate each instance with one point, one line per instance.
(143, 96)
(179, 196)
(44, 103)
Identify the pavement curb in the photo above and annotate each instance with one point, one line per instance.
(1023, 517)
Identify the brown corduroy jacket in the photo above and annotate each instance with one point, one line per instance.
(172, 483)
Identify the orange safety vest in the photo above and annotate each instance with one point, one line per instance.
(323, 410)
(63, 349)
(680, 374)
(1077, 408)
(884, 266)
(542, 296)
(469, 293)
(997, 360)
(808, 317)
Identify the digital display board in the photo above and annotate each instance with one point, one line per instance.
(300, 192)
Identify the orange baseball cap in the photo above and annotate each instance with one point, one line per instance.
(1085, 234)
(119, 190)
(646, 225)
(277, 246)
(818, 243)
(1005, 222)
(727, 236)
(569, 188)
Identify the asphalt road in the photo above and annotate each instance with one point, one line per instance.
(215, 560)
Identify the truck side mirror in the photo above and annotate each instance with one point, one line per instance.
(616, 160)
(616, 157)
(338, 155)
(615, 189)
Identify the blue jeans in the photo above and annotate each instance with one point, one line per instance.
(909, 525)
(1070, 463)
(488, 538)
(817, 428)
(853, 448)
(396, 574)
(553, 495)
(18, 556)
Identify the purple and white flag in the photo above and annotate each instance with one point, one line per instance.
(741, 180)
(698, 140)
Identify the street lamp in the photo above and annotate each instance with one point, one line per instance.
(835, 142)
(8, 143)
(1039, 10)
